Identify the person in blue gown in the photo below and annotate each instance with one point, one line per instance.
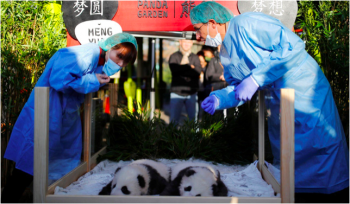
(259, 52)
(71, 73)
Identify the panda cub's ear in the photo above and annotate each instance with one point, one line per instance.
(117, 170)
(142, 181)
(190, 172)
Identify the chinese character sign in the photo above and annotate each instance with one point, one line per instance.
(258, 5)
(186, 8)
(78, 11)
(79, 7)
(96, 7)
(285, 11)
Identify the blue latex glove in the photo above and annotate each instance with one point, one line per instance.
(210, 103)
(246, 89)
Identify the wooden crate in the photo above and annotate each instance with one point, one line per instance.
(44, 194)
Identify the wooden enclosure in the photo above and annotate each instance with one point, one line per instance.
(44, 193)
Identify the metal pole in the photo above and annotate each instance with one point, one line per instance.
(161, 84)
(261, 129)
(139, 74)
(152, 94)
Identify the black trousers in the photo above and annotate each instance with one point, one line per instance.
(336, 197)
(15, 186)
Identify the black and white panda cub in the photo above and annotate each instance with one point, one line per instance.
(141, 177)
(195, 179)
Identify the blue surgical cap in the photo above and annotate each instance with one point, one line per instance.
(210, 10)
(115, 39)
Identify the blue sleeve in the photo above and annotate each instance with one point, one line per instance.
(226, 98)
(285, 47)
(226, 95)
(99, 71)
(228, 76)
(74, 69)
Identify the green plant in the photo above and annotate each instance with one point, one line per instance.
(30, 35)
(326, 34)
(135, 136)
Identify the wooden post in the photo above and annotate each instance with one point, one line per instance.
(261, 129)
(287, 145)
(87, 129)
(41, 143)
(113, 99)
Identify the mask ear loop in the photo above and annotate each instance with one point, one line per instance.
(107, 53)
(217, 32)
(109, 57)
(208, 29)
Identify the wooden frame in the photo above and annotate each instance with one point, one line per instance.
(287, 145)
(113, 98)
(41, 143)
(42, 193)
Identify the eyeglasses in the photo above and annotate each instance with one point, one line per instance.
(197, 29)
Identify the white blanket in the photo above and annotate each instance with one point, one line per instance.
(241, 181)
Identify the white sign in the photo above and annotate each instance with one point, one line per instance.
(96, 30)
(284, 10)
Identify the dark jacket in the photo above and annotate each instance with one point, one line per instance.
(184, 79)
(212, 74)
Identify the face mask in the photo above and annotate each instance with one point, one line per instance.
(207, 59)
(213, 42)
(110, 67)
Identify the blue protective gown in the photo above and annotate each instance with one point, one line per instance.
(259, 45)
(70, 74)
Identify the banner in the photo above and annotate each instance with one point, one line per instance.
(160, 15)
(137, 15)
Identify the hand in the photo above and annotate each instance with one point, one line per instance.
(209, 104)
(246, 89)
(102, 78)
(222, 78)
(221, 65)
(192, 66)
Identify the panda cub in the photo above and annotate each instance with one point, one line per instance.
(141, 177)
(195, 179)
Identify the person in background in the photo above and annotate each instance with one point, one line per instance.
(258, 51)
(201, 90)
(214, 73)
(71, 73)
(208, 55)
(202, 59)
(185, 70)
(208, 52)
